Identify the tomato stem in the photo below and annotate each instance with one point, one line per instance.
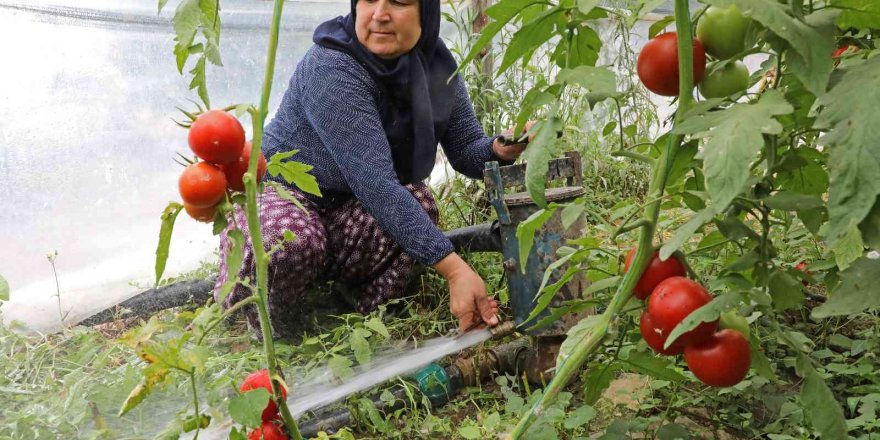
(567, 367)
(261, 258)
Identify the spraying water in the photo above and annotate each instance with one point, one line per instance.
(323, 390)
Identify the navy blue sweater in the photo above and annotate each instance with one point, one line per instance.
(330, 113)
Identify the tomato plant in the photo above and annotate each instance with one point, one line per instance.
(723, 31)
(734, 321)
(723, 360)
(261, 379)
(725, 80)
(268, 431)
(202, 185)
(673, 300)
(216, 136)
(657, 65)
(235, 171)
(656, 272)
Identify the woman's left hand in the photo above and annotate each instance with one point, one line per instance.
(512, 151)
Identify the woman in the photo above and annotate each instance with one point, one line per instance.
(366, 108)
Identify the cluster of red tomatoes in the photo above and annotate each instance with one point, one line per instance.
(721, 33)
(720, 358)
(218, 139)
(271, 426)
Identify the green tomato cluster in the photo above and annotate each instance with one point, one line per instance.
(723, 32)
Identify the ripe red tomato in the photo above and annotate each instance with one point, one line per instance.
(654, 339)
(204, 215)
(673, 300)
(804, 267)
(235, 170)
(260, 379)
(202, 185)
(268, 431)
(843, 48)
(217, 137)
(721, 361)
(657, 65)
(656, 272)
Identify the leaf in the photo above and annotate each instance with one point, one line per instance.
(602, 284)
(161, 5)
(686, 231)
(659, 26)
(575, 337)
(376, 325)
(571, 213)
(168, 217)
(186, 21)
(293, 172)
(199, 81)
(851, 114)
(823, 409)
(234, 258)
(733, 135)
(470, 432)
(530, 36)
(785, 290)
(598, 380)
(591, 79)
(247, 408)
(789, 201)
(192, 423)
(673, 431)
(525, 234)
(858, 290)
(708, 313)
(492, 421)
(579, 417)
(4, 289)
(651, 365)
(143, 389)
(341, 367)
(574, 306)
(501, 13)
(542, 148)
(361, 347)
(862, 14)
(585, 6)
(849, 248)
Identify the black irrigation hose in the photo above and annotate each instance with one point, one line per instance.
(480, 238)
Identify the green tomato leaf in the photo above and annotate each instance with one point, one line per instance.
(592, 79)
(734, 135)
(849, 248)
(583, 50)
(361, 347)
(673, 431)
(168, 217)
(580, 417)
(686, 231)
(858, 290)
(585, 6)
(532, 35)
(862, 14)
(785, 290)
(708, 313)
(789, 201)
(186, 21)
(501, 13)
(199, 81)
(598, 380)
(234, 258)
(538, 155)
(293, 172)
(525, 233)
(246, 408)
(651, 365)
(4, 289)
(571, 213)
(576, 335)
(341, 367)
(659, 26)
(825, 412)
(470, 432)
(376, 325)
(854, 143)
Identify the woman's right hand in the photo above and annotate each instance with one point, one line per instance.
(468, 300)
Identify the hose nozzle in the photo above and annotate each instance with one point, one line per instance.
(504, 329)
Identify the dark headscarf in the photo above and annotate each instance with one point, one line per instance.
(416, 99)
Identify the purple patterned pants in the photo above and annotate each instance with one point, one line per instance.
(343, 243)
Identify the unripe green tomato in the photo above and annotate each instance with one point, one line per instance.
(723, 31)
(730, 79)
(732, 320)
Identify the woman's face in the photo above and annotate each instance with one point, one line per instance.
(388, 28)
